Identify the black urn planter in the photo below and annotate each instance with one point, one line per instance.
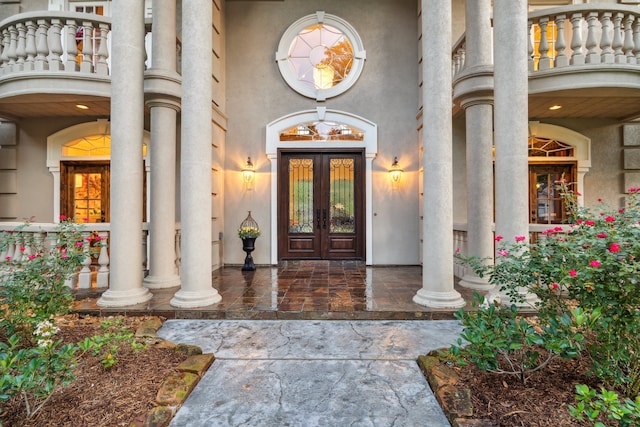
(248, 245)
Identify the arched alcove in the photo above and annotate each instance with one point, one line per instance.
(368, 142)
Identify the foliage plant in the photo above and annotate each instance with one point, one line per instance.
(107, 345)
(498, 340)
(591, 263)
(593, 406)
(32, 284)
(248, 232)
(33, 364)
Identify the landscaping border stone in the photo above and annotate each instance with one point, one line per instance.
(454, 400)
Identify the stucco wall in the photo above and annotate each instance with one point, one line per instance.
(35, 182)
(386, 94)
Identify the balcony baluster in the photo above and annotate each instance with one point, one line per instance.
(605, 39)
(30, 48)
(561, 59)
(21, 47)
(87, 48)
(618, 53)
(55, 54)
(71, 64)
(42, 45)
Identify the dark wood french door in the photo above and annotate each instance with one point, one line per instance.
(85, 191)
(321, 205)
(545, 201)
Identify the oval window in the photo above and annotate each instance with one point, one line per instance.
(320, 56)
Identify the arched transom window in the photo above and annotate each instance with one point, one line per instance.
(322, 131)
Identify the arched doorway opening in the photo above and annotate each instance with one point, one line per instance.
(79, 157)
(555, 153)
(321, 187)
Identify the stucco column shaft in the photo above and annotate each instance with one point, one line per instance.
(162, 254)
(479, 121)
(437, 265)
(162, 234)
(195, 159)
(479, 137)
(127, 126)
(163, 49)
(511, 118)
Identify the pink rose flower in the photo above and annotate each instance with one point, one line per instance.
(503, 252)
(601, 235)
(573, 273)
(520, 238)
(594, 263)
(498, 238)
(614, 247)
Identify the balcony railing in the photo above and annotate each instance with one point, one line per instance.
(55, 41)
(576, 36)
(94, 272)
(68, 42)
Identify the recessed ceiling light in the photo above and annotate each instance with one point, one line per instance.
(555, 107)
(81, 107)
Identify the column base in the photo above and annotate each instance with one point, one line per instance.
(190, 299)
(472, 281)
(112, 298)
(433, 299)
(161, 282)
(529, 299)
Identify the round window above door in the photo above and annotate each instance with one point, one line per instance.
(320, 56)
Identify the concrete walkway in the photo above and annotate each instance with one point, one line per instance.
(312, 373)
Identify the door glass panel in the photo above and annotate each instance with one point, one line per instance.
(341, 196)
(549, 209)
(88, 197)
(301, 195)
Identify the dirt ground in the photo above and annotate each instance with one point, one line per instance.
(116, 396)
(542, 402)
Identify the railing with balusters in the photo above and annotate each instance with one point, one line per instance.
(586, 35)
(536, 231)
(49, 41)
(94, 271)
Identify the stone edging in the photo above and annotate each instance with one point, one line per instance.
(177, 385)
(454, 400)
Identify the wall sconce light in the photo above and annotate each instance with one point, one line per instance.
(395, 172)
(248, 173)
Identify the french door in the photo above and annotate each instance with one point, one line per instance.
(545, 201)
(85, 191)
(321, 205)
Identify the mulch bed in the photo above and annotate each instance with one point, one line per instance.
(117, 396)
(542, 402)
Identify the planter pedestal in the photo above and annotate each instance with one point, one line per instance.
(248, 245)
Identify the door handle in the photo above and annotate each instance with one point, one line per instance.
(318, 216)
(324, 218)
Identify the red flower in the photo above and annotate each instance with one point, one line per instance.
(610, 219)
(23, 249)
(498, 238)
(621, 211)
(601, 235)
(503, 252)
(590, 222)
(458, 250)
(520, 238)
(594, 263)
(63, 217)
(554, 286)
(573, 273)
(614, 247)
(8, 258)
(557, 229)
(32, 257)
(599, 200)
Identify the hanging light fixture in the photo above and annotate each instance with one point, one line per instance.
(248, 172)
(395, 172)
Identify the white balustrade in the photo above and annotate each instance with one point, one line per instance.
(576, 36)
(72, 42)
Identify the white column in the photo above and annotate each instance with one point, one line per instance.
(480, 243)
(127, 126)
(479, 124)
(196, 157)
(162, 220)
(437, 265)
(511, 118)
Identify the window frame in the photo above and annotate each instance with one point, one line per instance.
(282, 55)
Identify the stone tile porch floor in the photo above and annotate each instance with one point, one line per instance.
(296, 290)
